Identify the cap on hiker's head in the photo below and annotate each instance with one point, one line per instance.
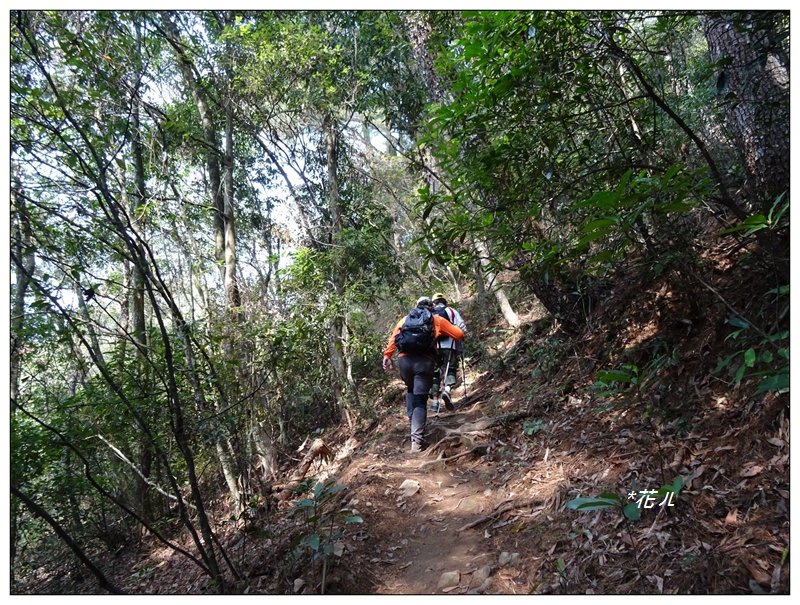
(423, 301)
(439, 296)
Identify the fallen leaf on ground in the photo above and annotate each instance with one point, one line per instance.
(751, 470)
(757, 570)
(733, 517)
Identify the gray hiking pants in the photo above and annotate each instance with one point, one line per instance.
(417, 372)
(444, 356)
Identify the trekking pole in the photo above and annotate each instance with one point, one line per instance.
(463, 373)
(443, 377)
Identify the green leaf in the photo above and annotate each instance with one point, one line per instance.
(352, 519)
(591, 503)
(676, 207)
(313, 542)
(738, 322)
(780, 290)
(609, 376)
(778, 383)
(632, 511)
(739, 374)
(750, 357)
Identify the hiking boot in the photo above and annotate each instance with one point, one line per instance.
(435, 406)
(416, 448)
(448, 403)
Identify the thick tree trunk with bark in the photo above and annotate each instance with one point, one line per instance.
(754, 69)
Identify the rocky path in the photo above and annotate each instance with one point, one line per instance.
(416, 507)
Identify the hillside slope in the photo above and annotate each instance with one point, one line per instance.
(489, 507)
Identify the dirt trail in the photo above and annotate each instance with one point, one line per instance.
(413, 541)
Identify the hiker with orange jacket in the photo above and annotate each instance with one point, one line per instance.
(414, 338)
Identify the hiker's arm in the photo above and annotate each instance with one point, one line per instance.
(445, 327)
(459, 321)
(390, 346)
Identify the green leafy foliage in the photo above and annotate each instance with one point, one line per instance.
(630, 510)
(613, 382)
(531, 427)
(765, 357)
(323, 523)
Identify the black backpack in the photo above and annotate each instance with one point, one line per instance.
(416, 333)
(441, 311)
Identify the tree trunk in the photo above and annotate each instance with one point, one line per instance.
(231, 279)
(419, 35)
(755, 70)
(337, 334)
(187, 69)
(505, 307)
(22, 247)
(139, 326)
(38, 511)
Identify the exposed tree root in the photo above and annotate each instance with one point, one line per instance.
(452, 439)
(318, 450)
(478, 450)
(502, 508)
(487, 423)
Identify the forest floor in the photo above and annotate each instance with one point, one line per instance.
(484, 508)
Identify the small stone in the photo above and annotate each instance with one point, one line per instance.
(471, 504)
(479, 575)
(507, 558)
(409, 487)
(298, 584)
(449, 578)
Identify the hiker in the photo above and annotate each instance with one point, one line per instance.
(449, 355)
(414, 338)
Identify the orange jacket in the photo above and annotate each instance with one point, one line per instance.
(440, 326)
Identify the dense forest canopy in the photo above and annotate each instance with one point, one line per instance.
(217, 216)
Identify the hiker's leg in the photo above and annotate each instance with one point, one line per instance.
(452, 370)
(405, 365)
(418, 414)
(441, 360)
(418, 417)
(409, 404)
